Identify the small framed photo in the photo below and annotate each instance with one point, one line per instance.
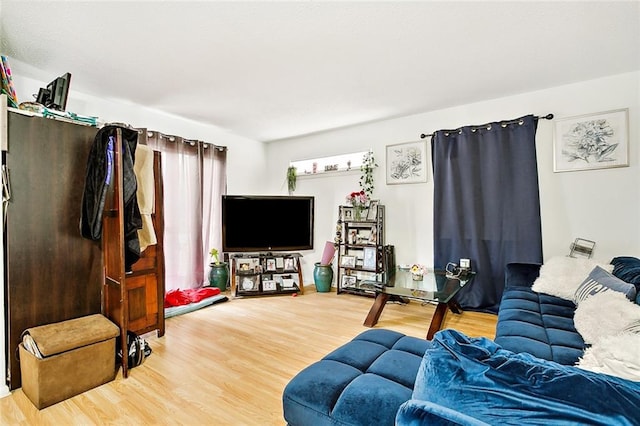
(249, 283)
(348, 261)
(279, 263)
(369, 258)
(289, 264)
(271, 265)
(245, 265)
(349, 281)
(269, 285)
(406, 163)
(347, 213)
(372, 214)
(592, 141)
(373, 235)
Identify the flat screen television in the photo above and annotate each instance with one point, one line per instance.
(56, 93)
(252, 223)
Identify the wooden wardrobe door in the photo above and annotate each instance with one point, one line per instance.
(52, 273)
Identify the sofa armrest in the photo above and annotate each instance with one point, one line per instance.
(521, 274)
(417, 412)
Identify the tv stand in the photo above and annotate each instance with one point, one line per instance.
(263, 274)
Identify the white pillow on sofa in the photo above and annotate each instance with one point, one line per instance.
(605, 314)
(609, 322)
(561, 276)
(614, 355)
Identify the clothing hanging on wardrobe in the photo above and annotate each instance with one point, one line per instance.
(97, 181)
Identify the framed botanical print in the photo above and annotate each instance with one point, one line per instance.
(592, 141)
(406, 163)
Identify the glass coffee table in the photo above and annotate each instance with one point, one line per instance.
(436, 286)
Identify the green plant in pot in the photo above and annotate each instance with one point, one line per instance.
(219, 272)
(367, 168)
(292, 179)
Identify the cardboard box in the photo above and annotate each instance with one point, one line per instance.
(78, 355)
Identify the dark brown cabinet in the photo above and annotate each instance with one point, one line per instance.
(51, 273)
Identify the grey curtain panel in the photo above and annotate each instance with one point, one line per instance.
(486, 203)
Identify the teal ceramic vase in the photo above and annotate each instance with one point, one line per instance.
(323, 277)
(219, 275)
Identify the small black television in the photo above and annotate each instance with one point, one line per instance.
(56, 93)
(253, 223)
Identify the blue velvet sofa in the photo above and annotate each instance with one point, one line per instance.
(523, 377)
(536, 323)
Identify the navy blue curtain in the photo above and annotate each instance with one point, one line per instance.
(486, 204)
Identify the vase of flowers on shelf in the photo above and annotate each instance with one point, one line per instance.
(358, 201)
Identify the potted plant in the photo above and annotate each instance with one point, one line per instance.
(367, 167)
(291, 179)
(219, 273)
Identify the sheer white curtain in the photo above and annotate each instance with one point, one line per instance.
(194, 180)
(214, 184)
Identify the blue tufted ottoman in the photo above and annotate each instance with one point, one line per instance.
(363, 382)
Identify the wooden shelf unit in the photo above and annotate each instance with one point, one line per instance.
(361, 250)
(262, 274)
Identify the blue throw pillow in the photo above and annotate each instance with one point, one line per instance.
(599, 281)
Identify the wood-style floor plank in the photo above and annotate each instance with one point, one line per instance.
(229, 363)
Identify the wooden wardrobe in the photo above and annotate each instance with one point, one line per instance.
(52, 274)
(134, 300)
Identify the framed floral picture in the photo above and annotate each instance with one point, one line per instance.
(592, 141)
(406, 163)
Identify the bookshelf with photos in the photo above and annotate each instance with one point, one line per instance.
(264, 274)
(360, 242)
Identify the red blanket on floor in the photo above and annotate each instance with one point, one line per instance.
(184, 297)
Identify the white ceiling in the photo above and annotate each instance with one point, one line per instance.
(273, 70)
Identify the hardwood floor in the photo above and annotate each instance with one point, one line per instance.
(228, 364)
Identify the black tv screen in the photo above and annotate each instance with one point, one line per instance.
(266, 223)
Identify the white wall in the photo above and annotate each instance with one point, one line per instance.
(245, 157)
(601, 205)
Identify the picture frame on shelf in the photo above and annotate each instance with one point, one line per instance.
(349, 281)
(347, 213)
(289, 264)
(246, 265)
(369, 258)
(591, 141)
(279, 263)
(373, 235)
(269, 285)
(270, 265)
(372, 213)
(406, 163)
(249, 283)
(348, 261)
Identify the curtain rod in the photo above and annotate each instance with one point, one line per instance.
(545, 117)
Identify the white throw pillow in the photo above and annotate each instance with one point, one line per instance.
(614, 355)
(561, 276)
(605, 314)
